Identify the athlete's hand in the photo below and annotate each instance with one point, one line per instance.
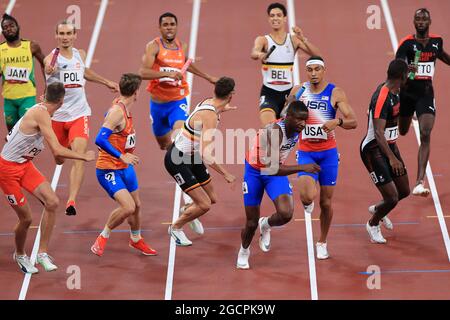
(330, 125)
(174, 75)
(229, 178)
(113, 86)
(89, 156)
(397, 166)
(412, 68)
(311, 168)
(50, 70)
(228, 108)
(129, 158)
(299, 33)
(211, 79)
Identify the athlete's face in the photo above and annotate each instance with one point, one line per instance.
(10, 30)
(65, 36)
(277, 20)
(422, 22)
(296, 121)
(315, 73)
(168, 28)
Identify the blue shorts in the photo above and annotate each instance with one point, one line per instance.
(115, 180)
(328, 161)
(255, 183)
(164, 115)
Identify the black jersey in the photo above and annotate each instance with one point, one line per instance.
(432, 51)
(383, 105)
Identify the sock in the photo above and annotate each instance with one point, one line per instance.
(70, 203)
(186, 198)
(135, 235)
(106, 232)
(244, 250)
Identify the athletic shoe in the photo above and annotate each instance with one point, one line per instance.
(264, 238)
(321, 251)
(46, 261)
(387, 223)
(309, 208)
(242, 260)
(99, 245)
(375, 233)
(197, 226)
(179, 237)
(144, 248)
(25, 264)
(70, 209)
(420, 190)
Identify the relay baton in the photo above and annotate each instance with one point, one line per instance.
(55, 56)
(182, 71)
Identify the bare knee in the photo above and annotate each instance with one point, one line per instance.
(51, 203)
(392, 200)
(425, 135)
(129, 209)
(403, 194)
(213, 199)
(325, 206)
(307, 198)
(26, 222)
(251, 225)
(204, 205)
(286, 215)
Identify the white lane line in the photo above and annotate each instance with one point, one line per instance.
(58, 169)
(308, 223)
(176, 204)
(10, 6)
(434, 193)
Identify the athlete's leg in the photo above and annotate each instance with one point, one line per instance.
(26, 104)
(308, 189)
(390, 196)
(404, 123)
(201, 205)
(326, 211)
(21, 228)
(252, 214)
(11, 112)
(426, 123)
(267, 116)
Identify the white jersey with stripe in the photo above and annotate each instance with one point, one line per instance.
(188, 139)
(22, 147)
(277, 71)
(71, 73)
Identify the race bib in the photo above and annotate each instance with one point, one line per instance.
(131, 141)
(72, 78)
(17, 75)
(314, 131)
(279, 75)
(425, 70)
(167, 79)
(391, 134)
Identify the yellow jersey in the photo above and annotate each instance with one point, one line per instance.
(17, 68)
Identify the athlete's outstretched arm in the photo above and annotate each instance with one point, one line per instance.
(43, 120)
(303, 43)
(339, 99)
(148, 59)
(91, 75)
(36, 51)
(379, 126)
(444, 57)
(260, 49)
(291, 97)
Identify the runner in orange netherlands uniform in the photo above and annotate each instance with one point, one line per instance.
(25, 141)
(115, 167)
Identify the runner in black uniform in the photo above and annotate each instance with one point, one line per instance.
(379, 150)
(418, 95)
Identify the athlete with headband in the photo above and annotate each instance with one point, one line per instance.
(277, 51)
(318, 143)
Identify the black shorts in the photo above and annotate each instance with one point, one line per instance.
(273, 99)
(187, 170)
(377, 163)
(417, 97)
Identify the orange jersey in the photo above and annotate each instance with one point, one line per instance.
(124, 141)
(163, 89)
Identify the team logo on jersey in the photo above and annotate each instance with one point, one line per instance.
(435, 45)
(111, 177)
(244, 187)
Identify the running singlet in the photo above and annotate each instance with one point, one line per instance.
(258, 152)
(188, 139)
(277, 71)
(17, 68)
(427, 62)
(124, 141)
(167, 89)
(71, 73)
(313, 138)
(21, 147)
(383, 105)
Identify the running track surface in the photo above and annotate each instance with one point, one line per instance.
(356, 59)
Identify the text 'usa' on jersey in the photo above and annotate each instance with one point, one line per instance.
(429, 53)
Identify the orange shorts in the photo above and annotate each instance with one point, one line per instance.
(16, 176)
(68, 131)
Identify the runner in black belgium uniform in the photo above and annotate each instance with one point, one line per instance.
(379, 151)
(418, 95)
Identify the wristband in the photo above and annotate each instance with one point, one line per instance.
(103, 142)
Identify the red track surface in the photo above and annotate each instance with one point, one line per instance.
(356, 58)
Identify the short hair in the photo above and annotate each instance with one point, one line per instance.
(8, 17)
(296, 107)
(397, 69)
(129, 83)
(167, 14)
(423, 10)
(223, 87)
(277, 5)
(55, 92)
(65, 22)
